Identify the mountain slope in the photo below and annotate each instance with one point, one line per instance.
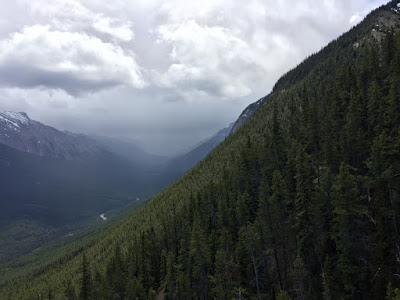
(179, 165)
(18, 131)
(302, 200)
(247, 113)
(374, 26)
(53, 183)
(129, 150)
(47, 197)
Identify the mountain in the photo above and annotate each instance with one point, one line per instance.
(247, 113)
(129, 150)
(18, 131)
(158, 171)
(179, 165)
(300, 202)
(383, 22)
(48, 197)
(53, 183)
(56, 182)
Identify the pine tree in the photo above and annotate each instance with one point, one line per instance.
(86, 281)
(278, 224)
(222, 280)
(170, 279)
(201, 260)
(348, 212)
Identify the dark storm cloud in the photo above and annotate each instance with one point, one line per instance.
(40, 56)
(13, 74)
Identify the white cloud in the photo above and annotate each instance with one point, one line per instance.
(66, 60)
(72, 15)
(66, 45)
(111, 27)
(204, 58)
(220, 48)
(227, 49)
(355, 19)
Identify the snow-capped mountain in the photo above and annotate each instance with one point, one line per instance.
(53, 182)
(18, 131)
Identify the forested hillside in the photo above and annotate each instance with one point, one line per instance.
(301, 202)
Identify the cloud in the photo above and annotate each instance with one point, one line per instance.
(111, 27)
(204, 59)
(225, 49)
(212, 48)
(167, 72)
(73, 16)
(74, 62)
(355, 19)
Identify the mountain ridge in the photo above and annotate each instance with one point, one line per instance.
(18, 131)
(376, 28)
(179, 165)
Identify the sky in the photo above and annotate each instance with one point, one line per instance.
(163, 73)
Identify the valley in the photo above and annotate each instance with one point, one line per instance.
(64, 183)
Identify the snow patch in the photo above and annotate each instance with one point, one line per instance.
(396, 10)
(17, 116)
(14, 118)
(8, 121)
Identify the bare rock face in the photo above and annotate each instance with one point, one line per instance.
(18, 131)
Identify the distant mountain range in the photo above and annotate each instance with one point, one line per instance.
(18, 131)
(54, 182)
(129, 150)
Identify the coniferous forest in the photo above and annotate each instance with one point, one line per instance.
(302, 202)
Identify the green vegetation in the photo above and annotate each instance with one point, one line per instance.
(301, 202)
